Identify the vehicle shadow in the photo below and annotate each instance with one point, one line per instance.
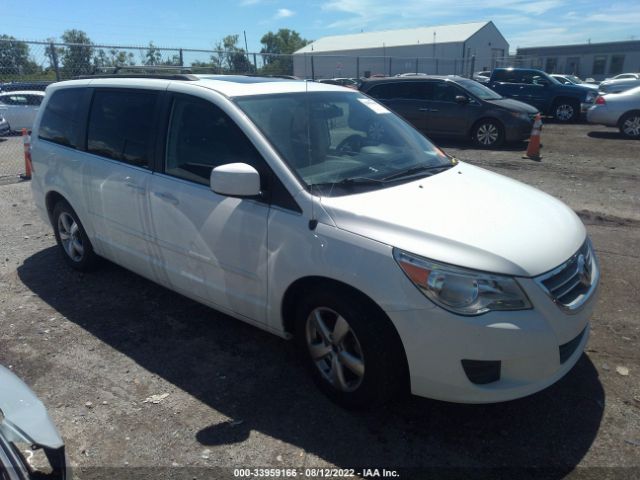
(255, 377)
(612, 135)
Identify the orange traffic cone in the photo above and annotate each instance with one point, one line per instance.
(533, 150)
(26, 142)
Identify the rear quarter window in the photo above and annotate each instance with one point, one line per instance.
(60, 123)
(121, 125)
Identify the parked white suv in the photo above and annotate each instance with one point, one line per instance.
(313, 212)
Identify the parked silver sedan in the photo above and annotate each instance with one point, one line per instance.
(620, 110)
(620, 83)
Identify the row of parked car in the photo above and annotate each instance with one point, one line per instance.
(503, 108)
(617, 84)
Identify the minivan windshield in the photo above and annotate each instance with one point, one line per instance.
(341, 141)
(479, 90)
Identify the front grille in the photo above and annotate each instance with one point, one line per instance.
(567, 349)
(573, 282)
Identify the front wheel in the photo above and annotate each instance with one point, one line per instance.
(630, 125)
(565, 111)
(352, 350)
(488, 133)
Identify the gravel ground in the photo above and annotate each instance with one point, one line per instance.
(94, 347)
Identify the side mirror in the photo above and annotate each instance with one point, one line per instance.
(462, 99)
(235, 180)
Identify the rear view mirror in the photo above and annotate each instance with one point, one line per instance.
(235, 180)
(462, 99)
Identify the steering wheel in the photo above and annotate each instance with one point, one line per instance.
(350, 145)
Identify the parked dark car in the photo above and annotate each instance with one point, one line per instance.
(14, 86)
(455, 107)
(535, 87)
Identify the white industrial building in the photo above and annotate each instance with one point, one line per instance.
(444, 50)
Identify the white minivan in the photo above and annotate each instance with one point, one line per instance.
(313, 212)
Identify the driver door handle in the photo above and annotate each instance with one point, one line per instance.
(136, 188)
(167, 197)
(428, 110)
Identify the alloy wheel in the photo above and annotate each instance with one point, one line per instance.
(631, 126)
(487, 134)
(564, 112)
(335, 349)
(70, 237)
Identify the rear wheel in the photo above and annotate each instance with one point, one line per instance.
(630, 125)
(72, 239)
(488, 133)
(566, 111)
(352, 350)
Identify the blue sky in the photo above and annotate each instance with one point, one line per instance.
(201, 23)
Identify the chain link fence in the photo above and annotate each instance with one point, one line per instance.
(29, 65)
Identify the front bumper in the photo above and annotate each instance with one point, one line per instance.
(534, 348)
(517, 130)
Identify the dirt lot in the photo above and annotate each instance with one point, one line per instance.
(238, 397)
(11, 157)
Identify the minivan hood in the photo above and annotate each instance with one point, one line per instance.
(513, 105)
(466, 216)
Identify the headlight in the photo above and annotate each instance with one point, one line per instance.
(462, 291)
(591, 96)
(521, 116)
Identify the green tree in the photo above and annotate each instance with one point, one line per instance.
(277, 49)
(153, 55)
(14, 58)
(76, 57)
(113, 58)
(230, 58)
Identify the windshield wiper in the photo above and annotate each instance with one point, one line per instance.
(349, 181)
(410, 172)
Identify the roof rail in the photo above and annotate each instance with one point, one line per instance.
(167, 72)
(163, 76)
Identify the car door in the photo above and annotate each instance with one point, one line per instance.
(409, 99)
(536, 90)
(212, 248)
(507, 83)
(446, 115)
(120, 141)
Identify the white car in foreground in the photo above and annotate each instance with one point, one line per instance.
(19, 108)
(313, 212)
(30, 446)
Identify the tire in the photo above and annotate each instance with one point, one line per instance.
(362, 368)
(487, 133)
(75, 246)
(566, 111)
(629, 125)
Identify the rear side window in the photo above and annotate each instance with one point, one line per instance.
(201, 137)
(121, 125)
(59, 123)
(403, 91)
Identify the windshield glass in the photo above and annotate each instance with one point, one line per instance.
(342, 139)
(479, 90)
